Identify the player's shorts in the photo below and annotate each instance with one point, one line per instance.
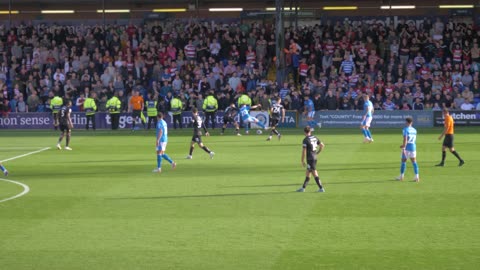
(367, 121)
(64, 128)
(197, 138)
(311, 165)
(227, 120)
(311, 114)
(274, 122)
(162, 146)
(136, 113)
(250, 119)
(409, 154)
(448, 141)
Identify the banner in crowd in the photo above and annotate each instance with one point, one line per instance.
(382, 119)
(461, 118)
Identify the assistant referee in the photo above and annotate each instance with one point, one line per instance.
(448, 132)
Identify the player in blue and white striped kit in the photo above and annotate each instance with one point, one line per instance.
(4, 170)
(309, 111)
(367, 119)
(409, 150)
(161, 143)
(246, 118)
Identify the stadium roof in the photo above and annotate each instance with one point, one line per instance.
(220, 3)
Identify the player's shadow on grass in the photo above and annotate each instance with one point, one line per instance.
(200, 196)
(326, 184)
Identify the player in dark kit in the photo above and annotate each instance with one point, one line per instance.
(448, 132)
(198, 125)
(229, 117)
(66, 124)
(277, 116)
(312, 146)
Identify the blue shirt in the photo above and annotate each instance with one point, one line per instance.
(245, 112)
(162, 126)
(411, 134)
(368, 107)
(309, 105)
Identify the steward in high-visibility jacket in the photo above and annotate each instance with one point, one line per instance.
(113, 105)
(152, 111)
(176, 107)
(210, 107)
(90, 108)
(55, 105)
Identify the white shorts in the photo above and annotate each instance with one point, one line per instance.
(409, 154)
(311, 114)
(251, 119)
(367, 121)
(162, 146)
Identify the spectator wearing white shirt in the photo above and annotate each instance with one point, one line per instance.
(59, 74)
(215, 49)
(467, 105)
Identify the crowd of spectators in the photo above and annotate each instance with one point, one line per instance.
(403, 66)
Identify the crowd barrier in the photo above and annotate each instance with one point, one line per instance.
(326, 119)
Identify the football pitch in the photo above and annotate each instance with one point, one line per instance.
(101, 207)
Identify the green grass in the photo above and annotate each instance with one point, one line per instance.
(100, 207)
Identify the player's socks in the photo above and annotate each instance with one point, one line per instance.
(68, 140)
(2, 168)
(457, 155)
(261, 125)
(403, 167)
(159, 161)
(305, 183)
(319, 184)
(369, 135)
(444, 155)
(415, 168)
(191, 150)
(364, 131)
(206, 149)
(275, 131)
(237, 131)
(167, 158)
(223, 129)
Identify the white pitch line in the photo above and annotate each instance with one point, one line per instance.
(19, 147)
(27, 154)
(26, 189)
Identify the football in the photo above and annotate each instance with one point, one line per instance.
(259, 131)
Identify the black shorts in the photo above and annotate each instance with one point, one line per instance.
(448, 141)
(64, 128)
(274, 122)
(311, 165)
(197, 138)
(227, 120)
(136, 113)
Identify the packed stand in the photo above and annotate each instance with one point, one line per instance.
(403, 67)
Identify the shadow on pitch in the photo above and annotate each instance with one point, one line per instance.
(200, 196)
(325, 183)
